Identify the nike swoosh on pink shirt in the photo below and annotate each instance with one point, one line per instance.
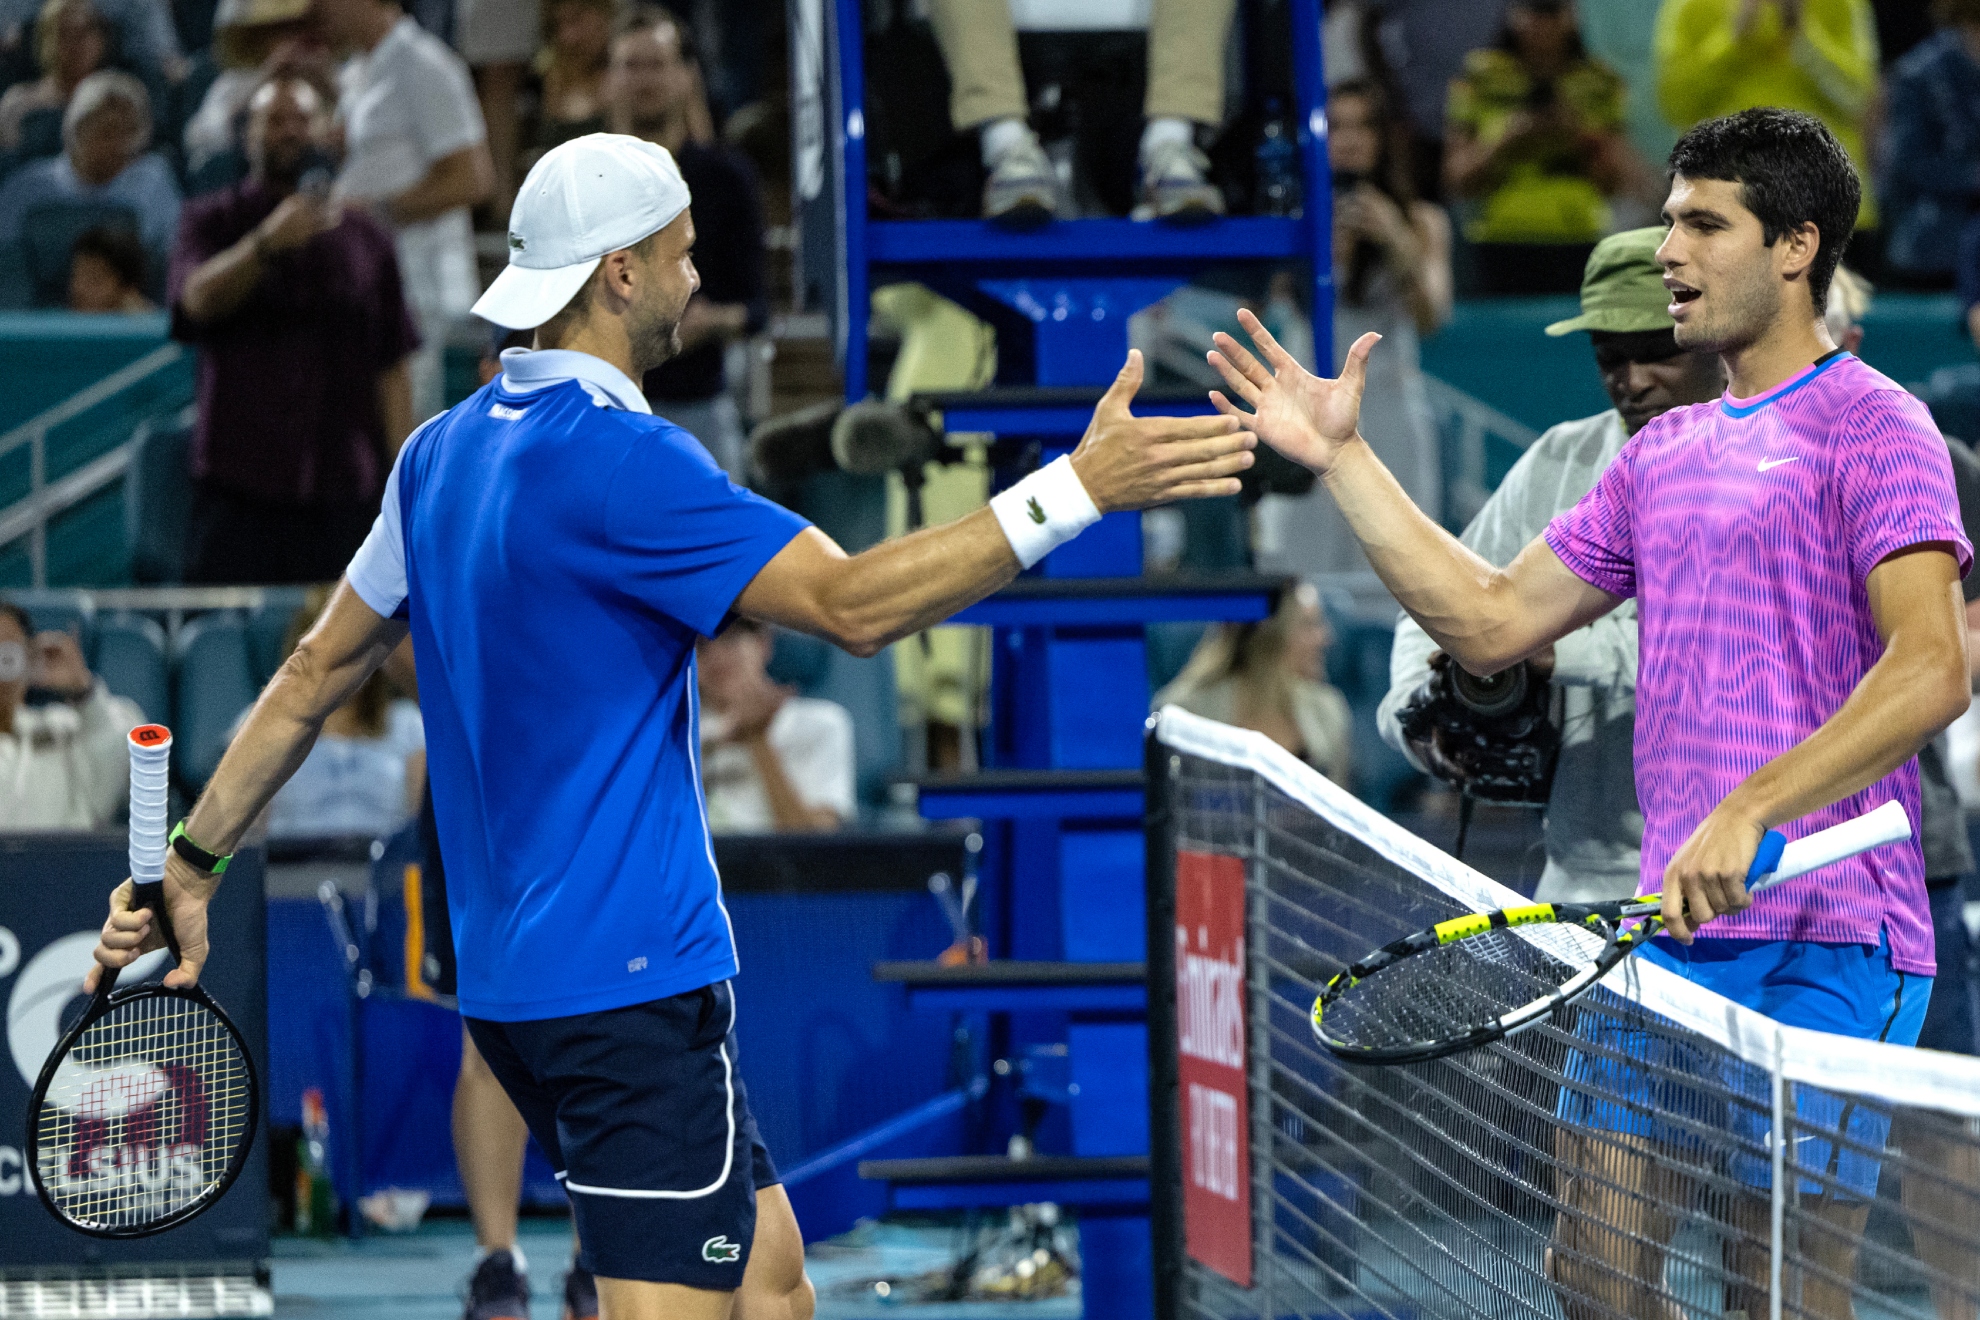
(1766, 463)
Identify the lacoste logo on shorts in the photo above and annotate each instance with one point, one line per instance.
(636, 965)
(1767, 463)
(721, 1251)
(1037, 514)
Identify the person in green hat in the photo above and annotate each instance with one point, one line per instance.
(1593, 826)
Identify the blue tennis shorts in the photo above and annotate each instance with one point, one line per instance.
(644, 1117)
(1626, 1078)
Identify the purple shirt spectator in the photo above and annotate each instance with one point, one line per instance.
(288, 394)
(1746, 530)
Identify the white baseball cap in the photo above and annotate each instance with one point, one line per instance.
(586, 197)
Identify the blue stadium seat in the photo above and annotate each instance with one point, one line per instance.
(128, 654)
(54, 616)
(268, 628)
(157, 493)
(213, 683)
(48, 237)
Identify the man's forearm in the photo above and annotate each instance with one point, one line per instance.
(1462, 601)
(913, 582)
(464, 178)
(223, 283)
(348, 643)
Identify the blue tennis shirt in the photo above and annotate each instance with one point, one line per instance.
(557, 550)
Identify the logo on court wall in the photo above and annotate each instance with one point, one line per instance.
(721, 1251)
(1037, 514)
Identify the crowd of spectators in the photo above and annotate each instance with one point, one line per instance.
(298, 185)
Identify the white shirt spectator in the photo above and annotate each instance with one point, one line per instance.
(351, 786)
(406, 104)
(65, 767)
(814, 741)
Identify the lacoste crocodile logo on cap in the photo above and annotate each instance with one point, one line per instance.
(517, 242)
(721, 1251)
(1037, 514)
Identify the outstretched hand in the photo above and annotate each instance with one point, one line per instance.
(1307, 418)
(1129, 462)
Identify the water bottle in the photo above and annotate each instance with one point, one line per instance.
(1279, 191)
(316, 1205)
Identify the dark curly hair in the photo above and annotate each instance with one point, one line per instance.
(1791, 170)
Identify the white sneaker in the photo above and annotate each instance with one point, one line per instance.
(1174, 185)
(1022, 189)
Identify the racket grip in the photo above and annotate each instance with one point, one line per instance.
(1873, 829)
(1772, 844)
(151, 751)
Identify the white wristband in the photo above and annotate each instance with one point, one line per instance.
(1044, 511)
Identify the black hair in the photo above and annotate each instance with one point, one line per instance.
(116, 247)
(18, 615)
(1577, 50)
(642, 17)
(1791, 171)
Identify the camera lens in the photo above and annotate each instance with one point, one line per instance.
(1495, 694)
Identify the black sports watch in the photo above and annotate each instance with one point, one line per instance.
(182, 844)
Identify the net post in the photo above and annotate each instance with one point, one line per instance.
(1165, 1189)
(1777, 1218)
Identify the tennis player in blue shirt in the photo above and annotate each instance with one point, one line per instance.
(555, 550)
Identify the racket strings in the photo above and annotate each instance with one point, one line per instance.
(146, 1114)
(1450, 991)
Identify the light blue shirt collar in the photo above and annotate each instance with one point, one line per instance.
(526, 370)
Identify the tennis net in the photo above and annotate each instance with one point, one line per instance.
(1651, 1151)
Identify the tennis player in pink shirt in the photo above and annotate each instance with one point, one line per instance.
(1795, 551)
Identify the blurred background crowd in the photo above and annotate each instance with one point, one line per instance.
(308, 195)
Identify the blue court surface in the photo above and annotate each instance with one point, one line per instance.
(419, 1276)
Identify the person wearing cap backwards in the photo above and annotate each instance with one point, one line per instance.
(555, 550)
(1593, 826)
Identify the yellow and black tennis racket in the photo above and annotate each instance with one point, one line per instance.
(144, 1114)
(1475, 979)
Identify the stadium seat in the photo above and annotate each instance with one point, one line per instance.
(52, 616)
(214, 683)
(157, 493)
(48, 237)
(16, 288)
(268, 628)
(128, 654)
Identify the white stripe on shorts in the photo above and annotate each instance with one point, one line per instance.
(728, 1147)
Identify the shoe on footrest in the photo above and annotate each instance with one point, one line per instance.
(1175, 186)
(1023, 188)
(497, 1290)
(580, 1294)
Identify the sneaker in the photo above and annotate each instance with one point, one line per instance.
(1022, 188)
(580, 1294)
(1174, 185)
(497, 1290)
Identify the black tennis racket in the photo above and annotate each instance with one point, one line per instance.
(1475, 979)
(144, 1114)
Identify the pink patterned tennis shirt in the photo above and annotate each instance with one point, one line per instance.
(1746, 530)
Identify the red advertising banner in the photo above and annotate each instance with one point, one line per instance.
(1210, 1024)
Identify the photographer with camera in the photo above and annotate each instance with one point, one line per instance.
(1557, 730)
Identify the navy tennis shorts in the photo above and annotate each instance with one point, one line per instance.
(644, 1117)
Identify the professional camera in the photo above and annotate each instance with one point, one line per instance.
(1491, 737)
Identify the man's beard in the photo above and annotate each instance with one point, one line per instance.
(655, 341)
(1742, 316)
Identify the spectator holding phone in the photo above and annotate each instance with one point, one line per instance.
(770, 760)
(301, 320)
(62, 764)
